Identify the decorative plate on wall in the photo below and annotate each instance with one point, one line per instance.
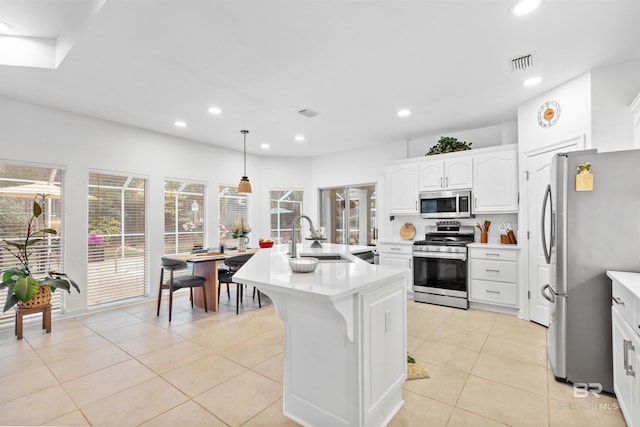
(407, 231)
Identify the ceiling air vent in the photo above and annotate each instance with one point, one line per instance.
(308, 112)
(522, 63)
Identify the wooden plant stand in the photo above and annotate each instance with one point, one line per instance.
(46, 318)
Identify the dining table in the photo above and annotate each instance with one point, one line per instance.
(206, 265)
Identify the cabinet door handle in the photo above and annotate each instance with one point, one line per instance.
(475, 203)
(492, 270)
(628, 368)
(490, 254)
(416, 205)
(447, 181)
(441, 183)
(395, 249)
(492, 292)
(618, 301)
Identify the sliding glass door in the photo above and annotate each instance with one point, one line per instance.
(349, 215)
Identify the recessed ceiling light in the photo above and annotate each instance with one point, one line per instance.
(180, 124)
(214, 110)
(265, 146)
(525, 6)
(532, 81)
(5, 27)
(404, 113)
(299, 138)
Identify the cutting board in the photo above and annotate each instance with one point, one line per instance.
(407, 231)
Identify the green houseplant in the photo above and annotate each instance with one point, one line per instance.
(21, 285)
(447, 144)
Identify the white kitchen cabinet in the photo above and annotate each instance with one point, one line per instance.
(397, 254)
(446, 174)
(402, 188)
(495, 179)
(635, 112)
(493, 272)
(625, 321)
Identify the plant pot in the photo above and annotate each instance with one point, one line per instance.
(42, 298)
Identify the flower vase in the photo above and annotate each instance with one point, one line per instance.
(242, 244)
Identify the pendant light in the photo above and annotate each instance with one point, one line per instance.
(245, 186)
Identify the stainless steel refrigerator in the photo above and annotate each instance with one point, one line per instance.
(584, 234)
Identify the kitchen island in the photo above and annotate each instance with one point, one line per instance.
(345, 327)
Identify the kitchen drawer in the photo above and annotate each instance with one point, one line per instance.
(501, 271)
(390, 248)
(493, 254)
(493, 292)
(623, 300)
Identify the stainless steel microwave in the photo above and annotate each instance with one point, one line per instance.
(445, 204)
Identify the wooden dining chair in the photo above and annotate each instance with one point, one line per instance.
(233, 264)
(175, 283)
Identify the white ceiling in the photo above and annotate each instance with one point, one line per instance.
(146, 63)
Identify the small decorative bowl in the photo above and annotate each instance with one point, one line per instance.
(266, 244)
(303, 265)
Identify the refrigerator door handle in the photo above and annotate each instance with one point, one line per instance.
(547, 252)
(548, 294)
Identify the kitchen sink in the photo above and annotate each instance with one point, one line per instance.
(327, 257)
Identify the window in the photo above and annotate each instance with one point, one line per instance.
(183, 216)
(285, 206)
(233, 209)
(19, 186)
(116, 238)
(349, 215)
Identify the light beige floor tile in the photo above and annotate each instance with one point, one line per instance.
(173, 356)
(453, 357)
(154, 340)
(74, 418)
(504, 404)
(255, 350)
(529, 353)
(78, 364)
(413, 343)
(188, 414)
(564, 393)
(105, 382)
(125, 320)
(61, 331)
(420, 411)
(421, 330)
(130, 331)
(270, 417)
(462, 418)
(529, 334)
(475, 315)
(241, 398)
(135, 405)
(10, 345)
(25, 381)
(72, 348)
(102, 315)
(585, 413)
(224, 336)
(36, 408)
(272, 368)
(203, 374)
(16, 363)
(459, 336)
(478, 325)
(511, 372)
(443, 384)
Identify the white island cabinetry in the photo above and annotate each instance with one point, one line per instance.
(625, 317)
(345, 327)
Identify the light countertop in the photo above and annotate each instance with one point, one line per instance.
(628, 279)
(269, 269)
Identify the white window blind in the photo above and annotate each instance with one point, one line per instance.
(285, 206)
(116, 238)
(20, 185)
(184, 208)
(233, 209)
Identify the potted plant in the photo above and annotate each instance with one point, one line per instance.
(447, 144)
(22, 288)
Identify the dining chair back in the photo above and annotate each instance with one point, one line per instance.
(174, 283)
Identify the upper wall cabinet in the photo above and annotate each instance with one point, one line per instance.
(495, 177)
(450, 174)
(402, 188)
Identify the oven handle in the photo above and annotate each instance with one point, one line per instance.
(445, 255)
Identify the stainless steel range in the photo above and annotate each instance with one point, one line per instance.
(440, 265)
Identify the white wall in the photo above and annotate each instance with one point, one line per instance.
(613, 89)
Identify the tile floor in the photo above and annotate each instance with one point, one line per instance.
(125, 367)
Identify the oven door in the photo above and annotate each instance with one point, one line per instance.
(440, 273)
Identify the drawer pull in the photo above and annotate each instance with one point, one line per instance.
(396, 249)
(617, 300)
(492, 292)
(491, 254)
(495, 271)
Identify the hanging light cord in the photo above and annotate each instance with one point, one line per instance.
(244, 133)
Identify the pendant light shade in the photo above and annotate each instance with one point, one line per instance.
(245, 186)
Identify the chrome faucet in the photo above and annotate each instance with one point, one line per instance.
(314, 233)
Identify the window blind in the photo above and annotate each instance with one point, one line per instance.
(20, 185)
(116, 238)
(184, 208)
(233, 208)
